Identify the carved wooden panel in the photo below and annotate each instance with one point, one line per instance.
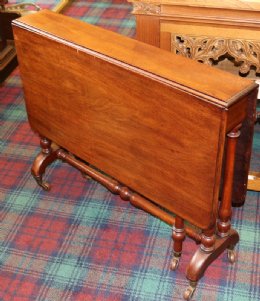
(146, 8)
(253, 5)
(209, 49)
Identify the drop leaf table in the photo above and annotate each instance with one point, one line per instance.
(158, 129)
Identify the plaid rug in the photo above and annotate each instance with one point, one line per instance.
(110, 14)
(80, 242)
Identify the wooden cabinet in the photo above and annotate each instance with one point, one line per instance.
(221, 33)
(8, 60)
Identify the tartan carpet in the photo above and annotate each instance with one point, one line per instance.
(80, 242)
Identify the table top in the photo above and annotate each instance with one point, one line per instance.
(170, 67)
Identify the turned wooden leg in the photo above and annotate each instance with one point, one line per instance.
(208, 240)
(243, 153)
(211, 246)
(225, 209)
(178, 235)
(44, 158)
(200, 261)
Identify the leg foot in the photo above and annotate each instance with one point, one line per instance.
(231, 254)
(44, 158)
(201, 260)
(45, 186)
(190, 291)
(175, 261)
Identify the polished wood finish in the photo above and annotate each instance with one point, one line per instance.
(225, 34)
(116, 140)
(178, 235)
(225, 206)
(243, 154)
(45, 158)
(51, 152)
(149, 24)
(201, 260)
(154, 123)
(231, 21)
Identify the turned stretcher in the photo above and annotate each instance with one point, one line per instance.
(162, 129)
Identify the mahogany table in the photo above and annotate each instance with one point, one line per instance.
(158, 129)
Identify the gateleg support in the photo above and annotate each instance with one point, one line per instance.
(225, 208)
(213, 245)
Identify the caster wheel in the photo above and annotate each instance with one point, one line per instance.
(231, 256)
(46, 186)
(174, 263)
(188, 293)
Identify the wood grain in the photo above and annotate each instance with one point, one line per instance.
(230, 4)
(203, 79)
(211, 23)
(154, 123)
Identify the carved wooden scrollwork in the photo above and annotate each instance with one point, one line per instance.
(209, 49)
(146, 8)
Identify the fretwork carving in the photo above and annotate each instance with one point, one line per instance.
(209, 49)
(146, 8)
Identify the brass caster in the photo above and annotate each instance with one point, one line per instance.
(231, 256)
(190, 291)
(44, 185)
(174, 263)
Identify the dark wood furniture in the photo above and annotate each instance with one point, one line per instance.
(204, 30)
(2, 4)
(225, 34)
(162, 129)
(8, 60)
